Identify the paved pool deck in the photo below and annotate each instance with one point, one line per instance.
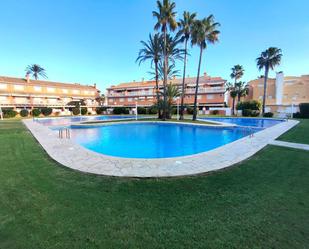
(76, 157)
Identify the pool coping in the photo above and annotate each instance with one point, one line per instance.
(76, 157)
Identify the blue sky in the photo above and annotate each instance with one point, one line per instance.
(97, 41)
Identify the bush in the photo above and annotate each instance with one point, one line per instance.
(120, 110)
(76, 111)
(304, 110)
(9, 113)
(100, 110)
(246, 112)
(153, 110)
(255, 113)
(297, 115)
(215, 112)
(24, 113)
(46, 111)
(189, 110)
(141, 110)
(249, 105)
(84, 110)
(268, 115)
(36, 112)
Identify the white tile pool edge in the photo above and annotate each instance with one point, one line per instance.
(76, 157)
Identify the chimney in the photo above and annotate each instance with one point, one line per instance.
(205, 74)
(95, 85)
(28, 77)
(142, 79)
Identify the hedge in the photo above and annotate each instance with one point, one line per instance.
(268, 115)
(46, 111)
(304, 110)
(100, 110)
(153, 110)
(141, 110)
(24, 113)
(120, 110)
(249, 105)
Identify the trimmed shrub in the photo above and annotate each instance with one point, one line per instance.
(46, 111)
(24, 113)
(304, 110)
(215, 112)
(120, 110)
(100, 110)
(84, 110)
(36, 112)
(9, 113)
(141, 110)
(75, 111)
(268, 115)
(246, 112)
(249, 105)
(255, 113)
(153, 110)
(297, 115)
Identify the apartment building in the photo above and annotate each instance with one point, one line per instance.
(211, 92)
(283, 94)
(20, 93)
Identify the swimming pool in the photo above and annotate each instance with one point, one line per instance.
(64, 121)
(155, 140)
(251, 122)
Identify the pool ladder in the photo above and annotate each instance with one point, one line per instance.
(64, 133)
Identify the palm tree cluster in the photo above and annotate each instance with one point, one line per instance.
(163, 50)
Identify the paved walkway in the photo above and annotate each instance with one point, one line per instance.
(74, 156)
(290, 145)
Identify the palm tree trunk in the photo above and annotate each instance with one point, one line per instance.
(183, 82)
(157, 87)
(233, 107)
(197, 83)
(265, 86)
(164, 77)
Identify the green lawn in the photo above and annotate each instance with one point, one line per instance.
(298, 134)
(261, 203)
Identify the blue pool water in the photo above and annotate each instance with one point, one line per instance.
(155, 140)
(63, 121)
(252, 122)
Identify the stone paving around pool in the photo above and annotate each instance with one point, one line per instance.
(76, 157)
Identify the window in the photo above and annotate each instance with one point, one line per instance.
(86, 92)
(270, 97)
(3, 86)
(3, 99)
(199, 96)
(110, 100)
(121, 99)
(210, 96)
(65, 90)
(50, 89)
(37, 88)
(76, 91)
(18, 87)
(130, 99)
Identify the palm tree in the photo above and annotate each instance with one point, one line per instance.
(230, 87)
(171, 71)
(237, 72)
(242, 89)
(268, 59)
(36, 71)
(165, 19)
(203, 32)
(152, 51)
(185, 25)
(172, 92)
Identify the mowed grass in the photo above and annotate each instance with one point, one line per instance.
(298, 134)
(260, 203)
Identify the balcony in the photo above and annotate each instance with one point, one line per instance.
(206, 90)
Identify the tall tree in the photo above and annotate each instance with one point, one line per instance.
(237, 72)
(172, 92)
(35, 70)
(268, 59)
(185, 25)
(166, 19)
(152, 51)
(230, 87)
(203, 32)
